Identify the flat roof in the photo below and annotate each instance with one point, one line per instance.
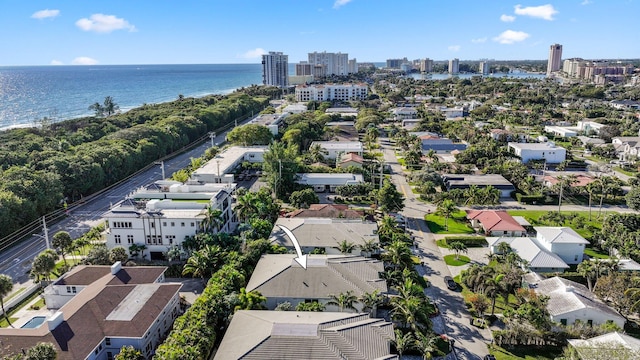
(227, 159)
(536, 146)
(470, 179)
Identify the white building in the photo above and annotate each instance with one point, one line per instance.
(539, 151)
(454, 65)
(589, 126)
(330, 92)
(483, 67)
(613, 345)
(334, 63)
(275, 69)
(335, 149)
(273, 122)
(426, 65)
(167, 216)
(560, 131)
(562, 241)
(570, 301)
(102, 309)
(220, 168)
(452, 113)
(322, 182)
(402, 113)
(538, 258)
(555, 58)
(298, 108)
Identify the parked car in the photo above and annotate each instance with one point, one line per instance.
(489, 357)
(452, 285)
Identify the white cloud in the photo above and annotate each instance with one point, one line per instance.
(479, 40)
(43, 14)
(56, 62)
(84, 60)
(252, 54)
(339, 3)
(510, 37)
(507, 18)
(454, 48)
(543, 11)
(586, 2)
(102, 23)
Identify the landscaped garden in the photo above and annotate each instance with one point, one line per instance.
(457, 223)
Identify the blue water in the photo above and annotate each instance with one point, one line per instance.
(35, 322)
(29, 93)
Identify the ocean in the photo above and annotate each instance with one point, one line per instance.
(30, 93)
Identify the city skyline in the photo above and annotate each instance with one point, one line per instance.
(145, 32)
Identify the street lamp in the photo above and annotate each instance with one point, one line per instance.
(161, 163)
(46, 239)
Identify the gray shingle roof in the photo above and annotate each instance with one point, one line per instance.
(279, 275)
(259, 334)
(566, 296)
(531, 251)
(323, 232)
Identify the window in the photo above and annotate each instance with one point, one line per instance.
(73, 289)
(129, 239)
(173, 224)
(563, 321)
(590, 322)
(164, 223)
(193, 224)
(182, 224)
(68, 289)
(153, 225)
(148, 239)
(170, 238)
(107, 341)
(109, 355)
(117, 239)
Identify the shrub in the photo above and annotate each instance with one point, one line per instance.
(530, 199)
(468, 241)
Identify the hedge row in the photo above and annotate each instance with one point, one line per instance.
(469, 241)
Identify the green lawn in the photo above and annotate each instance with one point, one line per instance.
(594, 254)
(626, 172)
(442, 243)
(533, 217)
(526, 353)
(457, 223)
(452, 261)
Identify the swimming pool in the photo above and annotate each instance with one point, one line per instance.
(34, 322)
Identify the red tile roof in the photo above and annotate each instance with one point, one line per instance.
(492, 220)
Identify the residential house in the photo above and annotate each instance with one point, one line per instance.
(335, 149)
(342, 111)
(280, 278)
(589, 127)
(324, 233)
(402, 113)
(440, 145)
(538, 258)
(350, 159)
(452, 113)
(625, 104)
(580, 180)
(547, 151)
(465, 181)
(410, 124)
(613, 345)
(298, 108)
(570, 301)
(220, 169)
(272, 121)
(495, 223)
(626, 146)
(560, 131)
(331, 211)
(562, 241)
(322, 182)
(255, 334)
(112, 307)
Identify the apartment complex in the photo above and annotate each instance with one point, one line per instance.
(426, 65)
(483, 68)
(555, 58)
(333, 63)
(345, 92)
(454, 66)
(591, 70)
(275, 69)
(396, 63)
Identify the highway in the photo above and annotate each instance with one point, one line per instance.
(16, 261)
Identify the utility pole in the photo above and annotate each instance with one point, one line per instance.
(162, 167)
(212, 135)
(560, 197)
(381, 175)
(46, 232)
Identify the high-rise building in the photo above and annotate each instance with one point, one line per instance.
(426, 65)
(484, 68)
(334, 63)
(275, 69)
(454, 66)
(353, 66)
(555, 58)
(395, 63)
(303, 68)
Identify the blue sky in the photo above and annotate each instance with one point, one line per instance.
(38, 32)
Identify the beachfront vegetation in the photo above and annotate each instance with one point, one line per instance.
(45, 167)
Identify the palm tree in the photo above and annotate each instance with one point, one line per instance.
(493, 288)
(250, 300)
(426, 345)
(346, 247)
(344, 300)
(246, 205)
(212, 220)
(6, 285)
(370, 301)
(458, 247)
(588, 271)
(43, 265)
(369, 247)
(316, 153)
(399, 254)
(387, 227)
(203, 262)
(109, 106)
(403, 342)
(446, 208)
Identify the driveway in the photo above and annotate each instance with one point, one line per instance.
(471, 342)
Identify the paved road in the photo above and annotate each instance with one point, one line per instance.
(16, 262)
(470, 341)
